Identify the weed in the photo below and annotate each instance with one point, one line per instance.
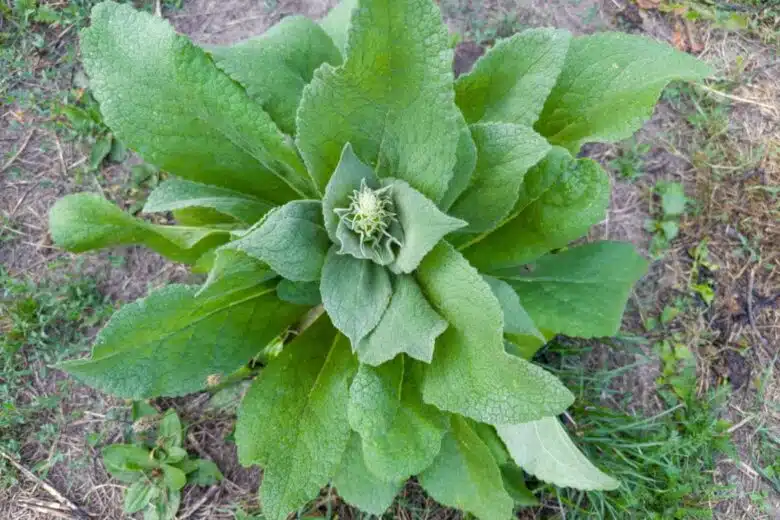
(665, 461)
(666, 224)
(630, 162)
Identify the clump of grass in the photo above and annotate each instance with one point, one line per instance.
(42, 323)
(666, 461)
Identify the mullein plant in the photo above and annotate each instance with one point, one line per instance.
(406, 234)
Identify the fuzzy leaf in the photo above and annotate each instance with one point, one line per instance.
(174, 477)
(275, 66)
(505, 152)
(465, 162)
(168, 343)
(85, 221)
(464, 475)
(232, 272)
(299, 293)
(360, 487)
(581, 291)
(608, 87)
(401, 435)
(165, 98)
(177, 194)
(126, 462)
(392, 99)
(344, 181)
(543, 449)
(355, 293)
(511, 81)
(169, 431)
(291, 239)
(293, 420)
(514, 483)
(206, 473)
(337, 23)
(470, 373)
(409, 325)
(562, 213)
(518, 325)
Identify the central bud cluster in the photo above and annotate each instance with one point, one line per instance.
(370, 214)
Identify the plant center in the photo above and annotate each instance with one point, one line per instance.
(370, 214)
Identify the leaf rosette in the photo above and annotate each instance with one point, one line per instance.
(391, 242)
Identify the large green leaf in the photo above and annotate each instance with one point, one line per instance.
(409, 325)
(291, 239)
(543, 449)
(465, 162)
(275, 66)
(178, 194)
(165, 98)
(470, 373)
(556, 216)
(608, 87)
(170, 342)
(464, 475)
(519, 328)
(423, 224)
(581, 291)
(392, 99)
(85, 221)
(511, 81)
(127, 463)
(337, 23)
(401, 434)
(232, 272)
(293, 420)
(355, 293)
(360, 487)
(139, 495)
(505, 152)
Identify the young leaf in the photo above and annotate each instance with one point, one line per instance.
(423, 224)
(169, 432)
(464, 475)
(581, 291)
(337, 23)
(174, 477)
(139, 495)
(175, 455)
(126, 462)
(291, 239)
(409, 325)
(99, 152)
(543, 449)
(470, 373)
(177, 194)
(505, 152)
(206, 473)
(86, 221)
(358, 486)
(292, 49)
(511, 81)
(401, 435)
(293, 420)
(608, 87)
(140, 352)
(165, 98)
(355, 293)
(392, 99)
(518, 325)
(563, 213)
(299, 293)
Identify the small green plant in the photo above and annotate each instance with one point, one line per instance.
(630, 162)
(400, 237)
(156, 467)
(666, 226)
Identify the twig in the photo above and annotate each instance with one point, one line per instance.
(76, 510)
(197, 505)
(61, 156)
(48, 509)
(22, 199)
(158, 9)
(737, 98)
(18, 152)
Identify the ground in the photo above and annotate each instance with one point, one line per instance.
(688, 395)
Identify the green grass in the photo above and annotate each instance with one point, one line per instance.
(665, 461)
(41, 324)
